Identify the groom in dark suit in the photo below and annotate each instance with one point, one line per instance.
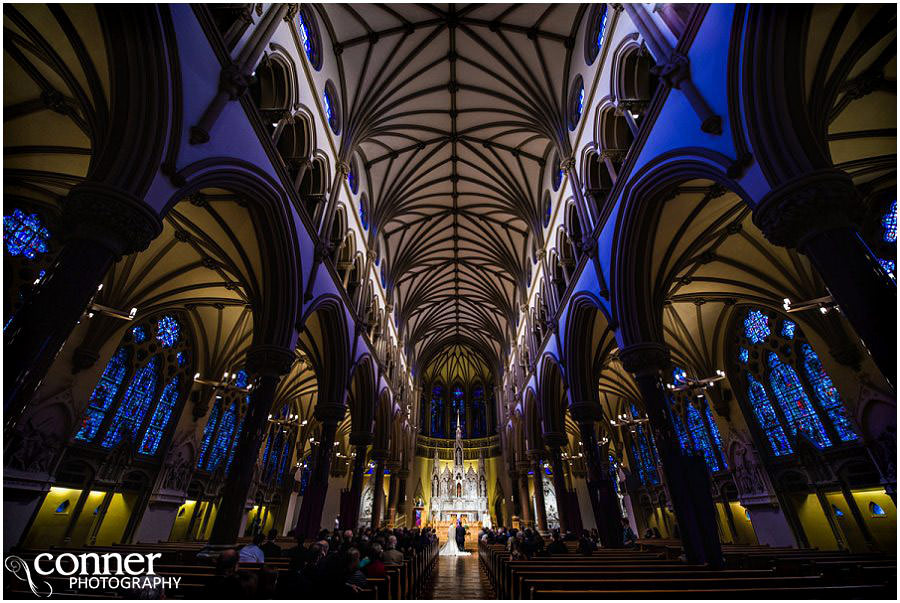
(460, 536)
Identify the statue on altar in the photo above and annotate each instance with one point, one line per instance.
(457, 492)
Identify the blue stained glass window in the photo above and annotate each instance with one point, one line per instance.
(207, 434)
(580, 101)
(548, 210)
(181, 357)
(24, 234)
(558, 174)
(459, 406)
(794, 403)
(139, 334)
(601, 34)
(478, 410)
(788, 328)
(714, 431)
(267, 447)
(614, 472)
(234, 442)
(63, 506)
(641, 447)
(305, 473)
(352, 181)
(701, 439)
(679, 428)
(134, 404)
(103, 395)
(437, 412)
(242, 378)
(167, 331)
(827, 394)
(743, 354)
(363, 217)
(303, 30)
(875, 509)
(837, 511)
(889, 222)
(890, 266)
(768, 419)
(679, 376)
(326, 102)
(756, 326)
(161, 417)
(285, 456)
(222, 443)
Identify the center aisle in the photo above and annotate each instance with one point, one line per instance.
(458, 578)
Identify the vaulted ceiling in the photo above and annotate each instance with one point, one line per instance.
(455, 112)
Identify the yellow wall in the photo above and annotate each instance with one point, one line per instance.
(49, 526)
(724, 526)
(663, 520)
(815, 524)
(183, 520)
(116, 519)
(849, 529)
(260, 512)
(882, 527)
(745, 532)
(209, 524)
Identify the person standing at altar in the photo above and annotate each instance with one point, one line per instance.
(460, 535)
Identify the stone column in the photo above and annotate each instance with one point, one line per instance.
(817, 215)
(361, 442)
(523, 494)
(393, 484)
(686, 476)
(559, 479)
(102, 225)
(311, 508)
(602, 492)
(378, 487)
(538, 472)
(268, 363)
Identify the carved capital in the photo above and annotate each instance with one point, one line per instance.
(292, 10)
(568, 164)
(233, 81)
(343, 168)
(674, 70)
(645, 358)
(818, 202)
(269, 360)
(111, 217)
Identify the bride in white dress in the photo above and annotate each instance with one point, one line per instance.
(450, 549)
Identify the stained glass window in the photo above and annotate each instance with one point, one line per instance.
(601, 33)
(437, 412)
(679, 428)
(305, 39)
(139, 334)
(580, 100)
(161, 416)
(679, 376)
(743, 354)
(459, 409)
(787, 329)
(641, 447)
(557, 173)
(103, 395)
(478, 412)
(208, 432)
(363, 217)
(167, 331)
(25, 234)
(234, 443)
(756, 326)
(717, 438)
(702, 443)
(352, 181)
(890, 266)
(827, 394)
(889, 222)
(795, 404)
(222, 442)
(875, 509)
(241, 379)
(768, 419)
(329, 109)
(614, 472)
(134, 404)
(181, 358)
(285, 457)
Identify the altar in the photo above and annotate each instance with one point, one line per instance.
(458, 493)
(473, 529)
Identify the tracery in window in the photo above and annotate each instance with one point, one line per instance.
(25, 234)
(458, 410)
(644, 453)
(156, 378)
(787, 386)
(437, 412)
(889, 223)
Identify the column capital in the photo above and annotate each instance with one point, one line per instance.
(645, 358)
(111, 217)
(817, 202)
(674, 70)
(342, 168)
(270, 360)
(584, 412)
(554, 439)
(568, 164)
(360, 438)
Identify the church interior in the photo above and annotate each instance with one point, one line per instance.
(291, 290)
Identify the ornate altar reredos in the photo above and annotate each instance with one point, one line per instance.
(457, 492)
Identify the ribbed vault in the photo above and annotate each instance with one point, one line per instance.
(454, 112)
